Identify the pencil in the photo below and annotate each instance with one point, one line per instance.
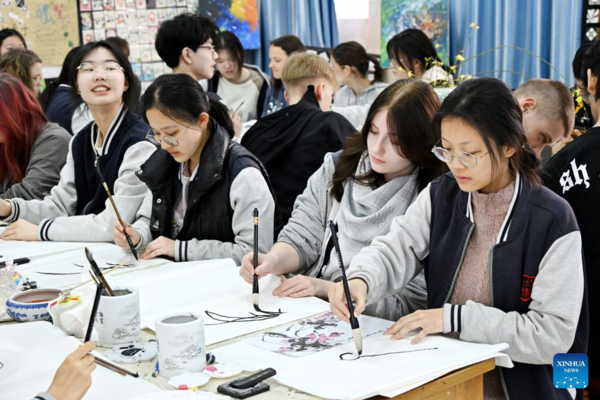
(353, 320)
(255, 279)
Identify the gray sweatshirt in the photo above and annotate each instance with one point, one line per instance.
(248, 191)
(534, 338)
(307, 232)
(54, 214)
(355, 108)
(48, 156)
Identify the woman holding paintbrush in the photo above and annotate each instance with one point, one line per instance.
(203, 186)
(362, 189)
(114, 145)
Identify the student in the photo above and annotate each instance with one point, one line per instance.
(25, 65)
(204, 187)
(574, 174)
(240, 86)
(11, 39)
(583, 118)
(185, 44)
(292, 142)
(350, 63)
(57, 100)
(78, 209)
(362, 188)
(548, 112)
(33, 150)
(412, 51)
(279, 51)
(74, 376)
(501, 253)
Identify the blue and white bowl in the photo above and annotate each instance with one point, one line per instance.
(31, 305)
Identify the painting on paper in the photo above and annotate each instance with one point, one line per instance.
(238, 16)
(430, 16)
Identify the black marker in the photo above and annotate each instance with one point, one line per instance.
(255, 279)
(99, 290)
(16, 261)
(353, 320)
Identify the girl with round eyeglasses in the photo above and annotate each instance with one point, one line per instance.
(502, 254)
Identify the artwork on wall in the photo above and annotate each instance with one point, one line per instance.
(430, 16)
(240, 17)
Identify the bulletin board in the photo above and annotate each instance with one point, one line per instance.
(136, 21)
(50, 27)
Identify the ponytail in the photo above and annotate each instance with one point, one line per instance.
(378, 74)
(220, 115)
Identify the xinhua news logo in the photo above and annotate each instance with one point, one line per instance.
(570, 371)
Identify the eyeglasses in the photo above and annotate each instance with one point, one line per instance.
(170, 140)
(208, 46)
(90, 68)
(467, 159)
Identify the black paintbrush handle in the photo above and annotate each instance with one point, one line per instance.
(255, 261)
(99, 291)
(336, 244)
(131, 246)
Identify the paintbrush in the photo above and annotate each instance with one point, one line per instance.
(97, 272)
(129, 242)
(114, 367)
(353, 320)
(99, 291)
(106, 272)
(255, 279)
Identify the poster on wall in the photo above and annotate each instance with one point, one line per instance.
(50, 28)
(430, 16)
(240, 17)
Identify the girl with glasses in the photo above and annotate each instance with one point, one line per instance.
(502, 254)
(362, 188)
(204, 187)
(114, 144)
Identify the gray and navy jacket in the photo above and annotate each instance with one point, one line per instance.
(538, 296)
(78, 208)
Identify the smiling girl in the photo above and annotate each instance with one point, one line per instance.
(502, 254)
(362, 188)
(78, 209)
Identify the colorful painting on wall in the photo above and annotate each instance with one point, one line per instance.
(238, 16)
(430, 16)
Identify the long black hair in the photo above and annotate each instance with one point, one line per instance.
(179, 96)
(8, 32)
(411, 104)
(63, 78)
(131, 95)
(490, 107)
(290, 44)
(413, 45)
(354, 55)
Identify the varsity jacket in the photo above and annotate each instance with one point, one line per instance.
(538, 296)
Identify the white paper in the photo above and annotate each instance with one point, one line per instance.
(71, 267)
(27, 373)
(366, 377)
(15, 338)
(213, 286)
(318, 333)
(19, 249)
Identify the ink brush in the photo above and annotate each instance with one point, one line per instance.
(255, 279)
(98, 273)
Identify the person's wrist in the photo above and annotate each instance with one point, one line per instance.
(5, 208)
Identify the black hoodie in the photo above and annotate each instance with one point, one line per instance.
(292, 143)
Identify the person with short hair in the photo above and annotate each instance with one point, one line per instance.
(25, 65)
(548, 112)
(11, 39)
(292, 142)
(185, 44)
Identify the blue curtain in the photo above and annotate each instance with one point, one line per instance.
(549, 28)
(313, 21)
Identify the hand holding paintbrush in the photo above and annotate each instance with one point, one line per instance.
(353, 320)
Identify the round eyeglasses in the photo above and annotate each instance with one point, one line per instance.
(90, 68)
(467, 159)
(170, 140)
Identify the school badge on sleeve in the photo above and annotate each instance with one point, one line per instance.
(570, 371)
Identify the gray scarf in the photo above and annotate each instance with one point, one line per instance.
(364, 213)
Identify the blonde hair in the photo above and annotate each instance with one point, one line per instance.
(302, 69)
(554, 99)
(18, 62)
